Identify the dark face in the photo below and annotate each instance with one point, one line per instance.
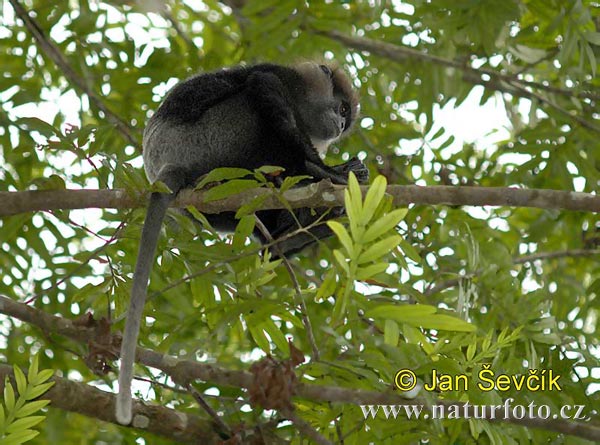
(329, 106)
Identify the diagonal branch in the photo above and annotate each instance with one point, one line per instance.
(54, 54)
(489, 78)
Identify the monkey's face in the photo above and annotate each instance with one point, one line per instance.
(328, 106)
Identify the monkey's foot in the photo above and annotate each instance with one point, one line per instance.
(356, 166)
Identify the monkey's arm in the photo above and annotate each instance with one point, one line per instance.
(159, 203)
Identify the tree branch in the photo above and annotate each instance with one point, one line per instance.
(54, 54)
(399, 53)
(492, 79)
(186, 371)
(321, 194)
(92, 402)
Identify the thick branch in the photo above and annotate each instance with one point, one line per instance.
(322, 194)
(186, 371)
(92, 402)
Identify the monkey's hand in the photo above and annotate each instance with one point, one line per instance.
(354, 165)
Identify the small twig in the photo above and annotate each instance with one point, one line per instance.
(81, 265)
(211, 412)
(299, 299)
(305, 428)
(576, 253)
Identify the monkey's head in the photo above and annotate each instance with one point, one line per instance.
(328, 105)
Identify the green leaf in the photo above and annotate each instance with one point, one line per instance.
(592, 37)
(410, 251)
(353, 199)
(223, 174)
(259, 338)
(328, 286)
(243, 230)
(443, 322)
(291, 181)
(391, 333)
(230, 188)
(275, 333)
(270, 169)
(36, 124)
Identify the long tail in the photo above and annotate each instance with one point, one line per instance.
(159, 202)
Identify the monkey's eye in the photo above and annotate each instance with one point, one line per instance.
(326, 70)
(344, 109)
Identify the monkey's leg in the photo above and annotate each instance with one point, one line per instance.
(174, 178)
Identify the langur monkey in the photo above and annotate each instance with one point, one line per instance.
(246, 117)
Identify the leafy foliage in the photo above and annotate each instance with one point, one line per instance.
(16, 415)
(434, 287)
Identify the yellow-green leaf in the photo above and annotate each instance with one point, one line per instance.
(41, 377)
(373, 198)
(20, 379)
(38, 390)
(9, 395)
(379, 249)
(32, 372)
(31, 407)
(19, 437)
(401, 312)
(341, 259)
(343, 235)
(384, 224)
(24, 423)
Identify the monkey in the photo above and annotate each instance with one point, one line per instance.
(247, 117)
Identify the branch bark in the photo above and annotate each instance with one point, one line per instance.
(184, 371)
(92, 402)
(321, 194)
